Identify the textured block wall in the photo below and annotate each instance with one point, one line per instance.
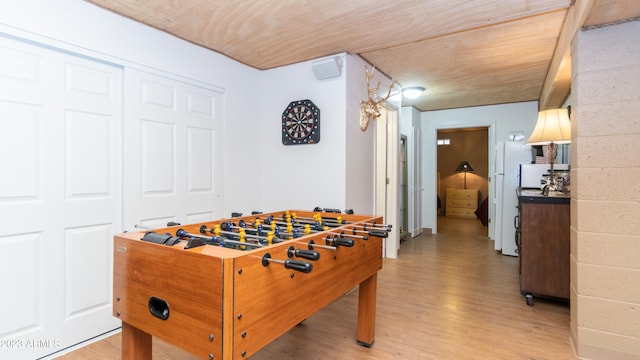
(605, 206)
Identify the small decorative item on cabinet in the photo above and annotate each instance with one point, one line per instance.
(461, 202)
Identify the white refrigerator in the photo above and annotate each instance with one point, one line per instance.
(509, 156)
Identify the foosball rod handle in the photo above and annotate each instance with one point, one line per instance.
(297, 265)
(339, 241)
(379, 233)
(305, 254)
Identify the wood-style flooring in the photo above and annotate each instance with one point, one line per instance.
(447, 296)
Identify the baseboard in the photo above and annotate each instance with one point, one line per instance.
(81, 344)
(588, 352)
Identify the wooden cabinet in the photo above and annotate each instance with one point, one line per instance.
(544, 247)
(461, 202)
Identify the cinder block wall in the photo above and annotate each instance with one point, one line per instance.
(605, 204)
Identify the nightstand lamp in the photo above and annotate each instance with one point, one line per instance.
(464, 167)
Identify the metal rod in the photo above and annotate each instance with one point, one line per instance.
(182, 233)
(311, 244)
(215, 231)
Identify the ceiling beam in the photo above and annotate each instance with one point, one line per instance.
(557, 85)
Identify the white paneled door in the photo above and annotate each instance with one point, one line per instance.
(60, 197)
(172, 151)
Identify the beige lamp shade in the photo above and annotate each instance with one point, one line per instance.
(553, 125)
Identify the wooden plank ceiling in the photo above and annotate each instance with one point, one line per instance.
(465, 53)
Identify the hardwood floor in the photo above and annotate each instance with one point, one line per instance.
(447, 296)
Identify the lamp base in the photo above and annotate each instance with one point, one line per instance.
(552, 153)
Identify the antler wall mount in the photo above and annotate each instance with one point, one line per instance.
(370, 108)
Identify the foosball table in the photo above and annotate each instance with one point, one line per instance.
(224, 289)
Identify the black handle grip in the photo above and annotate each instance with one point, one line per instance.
(305, 254)
(339, 241)
(379, 233)
(343, 242)
(150, 236)
(298, 265)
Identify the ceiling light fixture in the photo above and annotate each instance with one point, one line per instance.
(412, 92)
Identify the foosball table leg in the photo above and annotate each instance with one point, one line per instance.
(367, 311)
(136, 344)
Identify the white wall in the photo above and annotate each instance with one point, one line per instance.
(501, 120)
(360, 145)
(301, 176)
(337, 172)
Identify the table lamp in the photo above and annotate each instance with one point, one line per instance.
(552, 128)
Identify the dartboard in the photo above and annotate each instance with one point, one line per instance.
(301, 123)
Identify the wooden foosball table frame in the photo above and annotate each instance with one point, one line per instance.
(223, 303)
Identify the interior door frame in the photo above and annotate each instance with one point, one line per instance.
(431, 166)
(387, 175)
(404, 195)
(415, 182)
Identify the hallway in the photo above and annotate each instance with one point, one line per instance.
(447, 296)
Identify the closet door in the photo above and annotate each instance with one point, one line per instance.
(172, 151)
(60, 197)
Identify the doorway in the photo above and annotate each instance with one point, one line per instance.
(468, 146)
